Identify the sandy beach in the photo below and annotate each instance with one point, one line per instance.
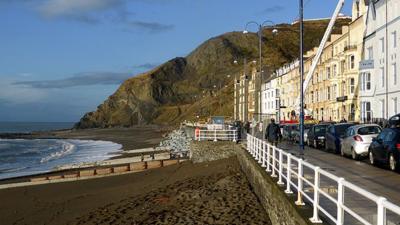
(206, 193)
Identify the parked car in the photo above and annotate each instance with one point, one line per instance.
(287, 133)
(357, 140)
(316, 135)
(385, 148)
(296, 132)
(334, 134)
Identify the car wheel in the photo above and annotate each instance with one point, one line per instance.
(371, 158)
(354, 154)
(392, 162)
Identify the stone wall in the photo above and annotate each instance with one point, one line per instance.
(204, 151)
(279, 206)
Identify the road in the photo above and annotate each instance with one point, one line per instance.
(377, 180)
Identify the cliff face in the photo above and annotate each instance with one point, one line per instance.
(198, 85)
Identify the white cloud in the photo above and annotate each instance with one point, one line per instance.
(56, 8)
(14, 94)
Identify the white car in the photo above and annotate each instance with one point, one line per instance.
(357, 140)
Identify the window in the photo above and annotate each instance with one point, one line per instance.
(368, 111)
(368, 81)
(352, 85)
(329, 93)
(382, 40)
(328, 72)
(382, 77)
(394, 38)
(334, 70)
(394, 71)
(394, 106)
(352, 61)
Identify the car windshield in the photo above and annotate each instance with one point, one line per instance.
(369, 130)
(320, 129)
(341, 129)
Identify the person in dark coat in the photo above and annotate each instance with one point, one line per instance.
(273, 133)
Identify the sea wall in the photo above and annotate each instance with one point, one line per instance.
(205, 151)
(279, 206)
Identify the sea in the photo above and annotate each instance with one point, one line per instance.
(22, 157)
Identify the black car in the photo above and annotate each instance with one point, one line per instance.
(385, 148)
(296, 133)
(316, 135)
(334, 134)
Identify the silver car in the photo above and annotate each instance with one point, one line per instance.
(357, 140)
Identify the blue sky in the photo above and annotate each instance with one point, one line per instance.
(62, 58)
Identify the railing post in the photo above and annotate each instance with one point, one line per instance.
(300, 183)
(340, 202)
(268, 158)
(256, 148)
(288, 174)
(234, 136)
(199, 135)
(381, 214)
(215, 135)
(260, 151)
(263, 154)
(280, 182)
(273, 162)
(315, 218)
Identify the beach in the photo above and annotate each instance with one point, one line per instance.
(130, 138)
(206, 193)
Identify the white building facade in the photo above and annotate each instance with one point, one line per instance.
(270, 99)
(379, 90)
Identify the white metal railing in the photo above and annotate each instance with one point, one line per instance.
(216, 135)
(290, 169)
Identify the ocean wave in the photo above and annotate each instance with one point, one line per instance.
(66, 149)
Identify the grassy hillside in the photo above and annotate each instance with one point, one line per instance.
(183, 88)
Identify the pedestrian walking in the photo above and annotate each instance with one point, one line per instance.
(273, 133)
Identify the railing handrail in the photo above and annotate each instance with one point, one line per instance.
(215, 134)
(270, 156)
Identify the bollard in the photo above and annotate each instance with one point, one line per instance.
(300, 184)
(273, 162)
(340, 201)
(315, 218)
(288, 174)
(280, 182)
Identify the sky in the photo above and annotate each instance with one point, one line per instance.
(62, 58)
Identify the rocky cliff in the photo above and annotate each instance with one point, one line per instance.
(198, 85)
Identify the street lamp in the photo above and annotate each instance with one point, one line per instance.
(258, 84)
(301, 51)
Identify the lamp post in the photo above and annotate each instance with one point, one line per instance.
(258, 82)
(301, 10)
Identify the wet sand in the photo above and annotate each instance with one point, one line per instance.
(130, 138)
(206, 193)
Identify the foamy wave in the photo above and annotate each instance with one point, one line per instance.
(67, 148)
